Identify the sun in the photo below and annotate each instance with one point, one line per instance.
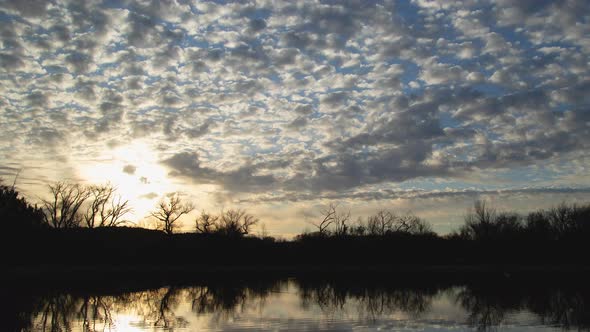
(134, 170)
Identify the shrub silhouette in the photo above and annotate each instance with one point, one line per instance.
(230, 223)
(16, 213)
(484, 223)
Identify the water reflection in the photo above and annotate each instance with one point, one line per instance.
(308, 303)
(565, 306)
(372, 301)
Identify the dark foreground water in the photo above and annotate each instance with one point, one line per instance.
(338, 303)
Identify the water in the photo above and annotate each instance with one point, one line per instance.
(292, 304)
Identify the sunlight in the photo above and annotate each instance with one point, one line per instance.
(135, 171)
(127, 323)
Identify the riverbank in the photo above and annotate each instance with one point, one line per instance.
(141, 276)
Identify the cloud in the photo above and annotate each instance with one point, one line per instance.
(313, 99)
(257, 24)
(187, 164)
(27, 8)
(388, 194)
(441, 73)
(298, 123)
(10, 61)
(333, 100)
(129, 169)
(78, 62)
(46, 137)
(150, 196)
(304, 109)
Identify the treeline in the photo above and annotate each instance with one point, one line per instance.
(69, 206)
(563, 222)
(72, 205)
(337, 223)
(86, 225)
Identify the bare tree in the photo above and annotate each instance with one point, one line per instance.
(340, 223)
(562, 218)
(230, 222)
(483, 213)
(106, 207)
(381, 223)
(169, 211)
(479, 221)
(63, 209)
(248, 221)
(412, 224)
(421, 226)
(328, 214)
(206, 223)
(385, 222)
(236, 222)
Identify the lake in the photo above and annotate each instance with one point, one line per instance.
(499, 302)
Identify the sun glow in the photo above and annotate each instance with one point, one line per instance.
(134, 170)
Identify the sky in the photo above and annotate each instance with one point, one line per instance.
(282, 107)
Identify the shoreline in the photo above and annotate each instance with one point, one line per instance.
(49, 279)
(49, 271)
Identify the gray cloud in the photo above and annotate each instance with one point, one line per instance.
(242, 179)
(46, 137)
(334, 99)
(10, 61)
(27, 8)
(257, 24)
(304, 109)
(298, 123)
(79, 62)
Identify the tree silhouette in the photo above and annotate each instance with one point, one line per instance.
(381, 223)
(412, 224)
(328, 214)
(106, 207)
(206, 223)
(63, 209)
(169, 211)
(478, 222)
(386, 222)
(484, 223)
(236, 222)
(340, 223)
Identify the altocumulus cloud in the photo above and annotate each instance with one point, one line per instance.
(307, 99)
